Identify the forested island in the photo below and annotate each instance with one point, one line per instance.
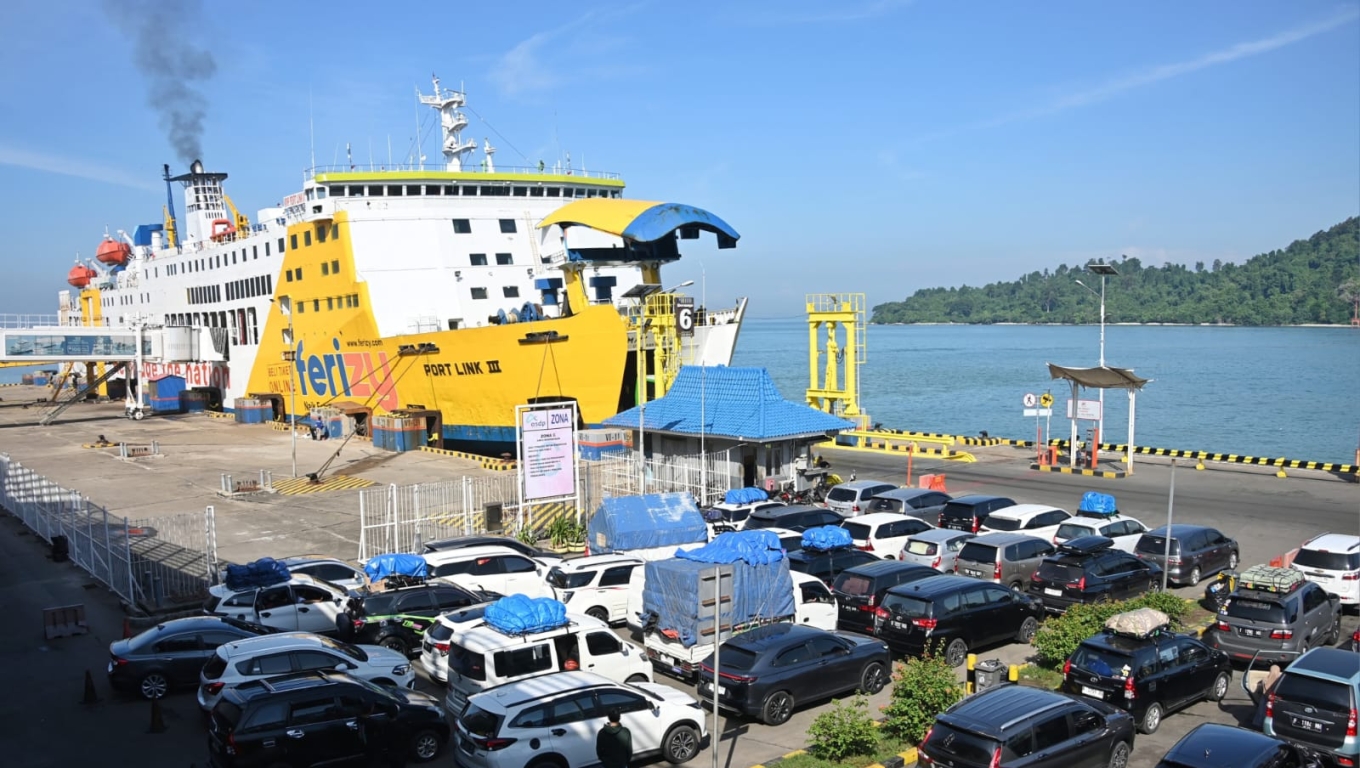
(1312, 281)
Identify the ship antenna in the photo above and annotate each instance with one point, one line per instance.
(311, 125)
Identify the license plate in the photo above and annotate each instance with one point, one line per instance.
(1307, 725)
(972, 572)
(899, 624)
(1092, 692)
(1249, 632)
(708, 689)
(1053, 592)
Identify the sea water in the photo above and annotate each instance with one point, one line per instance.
(1277, 392)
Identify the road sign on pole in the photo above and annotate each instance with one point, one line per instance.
(1031, 400)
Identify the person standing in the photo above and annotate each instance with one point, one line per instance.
(614, 744)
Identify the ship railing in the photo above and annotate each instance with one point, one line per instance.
(16, 320)
(395, 168)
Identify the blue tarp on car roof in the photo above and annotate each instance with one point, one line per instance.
(382, 566)
(520, 615)
(1099, 503)
(745, 496)
(642, 522)
(261, 573)
(752, 547)
(826, 537)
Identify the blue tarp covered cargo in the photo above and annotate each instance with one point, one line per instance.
(642, 522)
(261, 573)
(826, 537)
(1097, 503)
(520, 615)
(762, 588)
(745, 496)
(382, 566)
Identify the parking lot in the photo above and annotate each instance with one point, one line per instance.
(46, 723)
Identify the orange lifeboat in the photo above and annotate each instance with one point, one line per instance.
(113, 252)
(221, 230)
(80, 276)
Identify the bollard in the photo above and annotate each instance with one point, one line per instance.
(1014, 674)
(91, 696)
(970, 675)
(157, 719)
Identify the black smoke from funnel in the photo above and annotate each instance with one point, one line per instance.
(173, 66)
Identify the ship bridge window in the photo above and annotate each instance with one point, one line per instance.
(311, 194)
(412, 190)
(554, 192)
(462, 227)
(495, 191)
(434, 189)
(479, 293)
(510, 291)
(375, 190)
(505, 258)
(478, 259)
(320, 193)
(292, 242)
(536, 192)
(321, 233)
(338, 190)
(356, 190)
(468, 191)
(394, 190)
(508, 226)
(521, 191)
(306, 237)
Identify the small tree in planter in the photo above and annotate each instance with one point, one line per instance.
(923, 687)
(567, 535)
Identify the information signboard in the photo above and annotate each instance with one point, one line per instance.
(547, 451)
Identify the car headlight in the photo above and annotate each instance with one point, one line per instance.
(401, 669)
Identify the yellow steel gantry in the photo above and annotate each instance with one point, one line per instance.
(657, 324)
(834, 384)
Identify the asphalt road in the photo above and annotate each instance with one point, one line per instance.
(43, 721)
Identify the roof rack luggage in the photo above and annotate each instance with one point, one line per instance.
(1096, 504)
(1265, 578)
(1140, 623)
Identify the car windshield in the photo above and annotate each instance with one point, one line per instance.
(479, 722)
(858, 531)
(952, 510)
(974, 552)
(214, 668)
(1310, 691)
(905, 605)
(736, 657)
(564, 580)
(918, 547)
(1073, 531)
(841, 494)
(1327, 561)
(885, 505)
(439, 632)
(467, 663)
(853, 584)
(1099, 661)
(1061, 572)
(1255, 610)
(966, 747)
(375, 604)
(1156, 545)
(760, 521)
(351, 651)
(998, 523)
(735, 515)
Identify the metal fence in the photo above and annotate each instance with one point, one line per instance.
(403, 518)
(150, 563)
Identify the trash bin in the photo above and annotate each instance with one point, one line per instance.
(988, 674)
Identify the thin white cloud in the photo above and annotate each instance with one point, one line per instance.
(522, 70)
(69, 166)
(838, 13)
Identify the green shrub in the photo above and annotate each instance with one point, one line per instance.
(1059, 637)
(922, 688)
(843, 731)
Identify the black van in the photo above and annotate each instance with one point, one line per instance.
(966, 513)
(955, 613)
(859, 590)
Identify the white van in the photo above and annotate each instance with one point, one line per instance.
(300, 604)
(596, 585)
(483, 657)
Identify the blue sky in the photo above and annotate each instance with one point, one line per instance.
(862, 145)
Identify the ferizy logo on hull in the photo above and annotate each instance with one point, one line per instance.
(353, 374)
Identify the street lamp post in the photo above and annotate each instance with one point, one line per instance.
(290, 357)
(1104, 270)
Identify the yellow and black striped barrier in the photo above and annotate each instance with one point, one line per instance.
(1109, 474)
(1228, 458)
(303, 485)
(486, 462)
(217, 415)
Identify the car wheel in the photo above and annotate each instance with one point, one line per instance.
(154, 685)
(874, 678)
(1220, 687)
(638, 678)
(680, 745)
(598, 613)
(394, 643)
(1119, 756)
(1194, 576)
(1232, 562)
(425, 745)
(956, 652)
(1027, 630)
(1152, 719)
(778, 708)
(1335, 634)
(889, 557)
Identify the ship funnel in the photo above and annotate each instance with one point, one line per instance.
(197, 167)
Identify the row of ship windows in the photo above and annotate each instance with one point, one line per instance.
(123, 301)
(509, 291)
(240, 323)
(204, 294)
(455, 190)
(464, 226)
(322, 230)
(214, 262)
(348, 301)
(250, 287)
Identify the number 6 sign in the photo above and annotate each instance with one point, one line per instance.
(684, 315)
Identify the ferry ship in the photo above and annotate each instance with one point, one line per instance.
(457, 292)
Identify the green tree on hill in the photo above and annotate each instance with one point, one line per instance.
(1312, 281)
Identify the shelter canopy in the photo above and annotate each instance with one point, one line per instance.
(1098, 378)
(640, 220)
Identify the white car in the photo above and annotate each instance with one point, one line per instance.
(883, 533)
(1037, 520)
(554, 719)
(434, 648)
(1333, 561)
(596, 586)
(490, 568)
(734, 516)
(813, 604)
(300, 604)
(328, 569)
(272, 655)
(1123, 531)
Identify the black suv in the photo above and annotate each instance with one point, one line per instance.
(397, 618)
(1149, 675)
(1212, 745)
(312, 718)
(859, 590)
(1089, 570)
(827, 564)
(1022, 727)
(956, 613)
(966, 513)
(795, 518)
